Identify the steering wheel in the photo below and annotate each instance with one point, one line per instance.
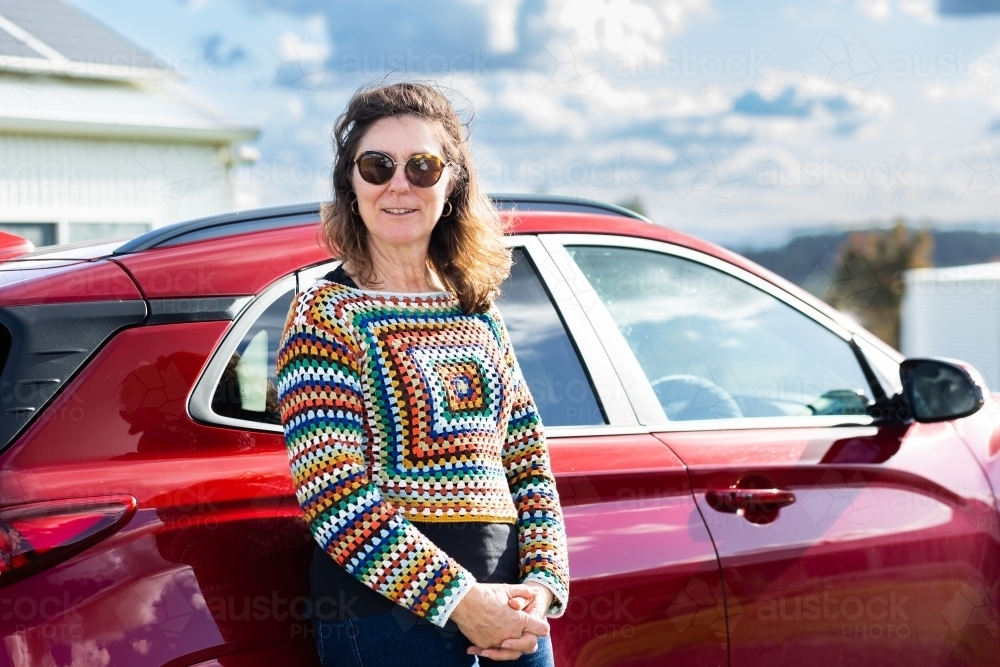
(685, 397)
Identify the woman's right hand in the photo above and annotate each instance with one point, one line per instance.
(485, 616)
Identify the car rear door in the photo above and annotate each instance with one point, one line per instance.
(842, 540)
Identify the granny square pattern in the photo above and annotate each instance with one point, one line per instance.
(443, 393)
(464, 387)
(399, 407)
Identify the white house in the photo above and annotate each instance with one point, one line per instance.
(97, 138)
(954, 312)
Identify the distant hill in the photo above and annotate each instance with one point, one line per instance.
(798, 258)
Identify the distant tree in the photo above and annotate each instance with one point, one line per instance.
(634, 204)
(866, 275)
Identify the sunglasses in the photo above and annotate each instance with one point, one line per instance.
(422, 170)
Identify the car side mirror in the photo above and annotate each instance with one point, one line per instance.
(941, 389)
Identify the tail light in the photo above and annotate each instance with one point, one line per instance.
(38, 535)
(12, 245)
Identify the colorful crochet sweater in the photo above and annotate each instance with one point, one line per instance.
(401, 406)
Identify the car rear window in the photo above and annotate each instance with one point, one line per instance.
(5, 342)
(248, 388)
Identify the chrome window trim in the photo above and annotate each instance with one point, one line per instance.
(741, 424)
(640, 392)
(748, 423)
(601, 430)
(880, 361)
(199, 404)
(880, 346)
(306, 277)
(597, 364)
(636, 386)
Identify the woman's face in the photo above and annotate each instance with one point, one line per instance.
(398, 213)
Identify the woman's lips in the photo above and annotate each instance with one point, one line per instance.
(399, 211)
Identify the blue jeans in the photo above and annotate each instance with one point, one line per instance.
(399, 637)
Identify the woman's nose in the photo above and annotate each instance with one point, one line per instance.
(398, 182)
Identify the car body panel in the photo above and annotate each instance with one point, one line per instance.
(31, 283)
(218, 550)
(981, 433)
(234, 265)
(887, 527)
(645, 580)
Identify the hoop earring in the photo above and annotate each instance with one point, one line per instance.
(354, 207)
(451, 209)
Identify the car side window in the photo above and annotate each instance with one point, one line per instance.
(548, 359)
(248, 387)
(715, 347)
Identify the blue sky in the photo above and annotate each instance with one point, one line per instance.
(739, 120)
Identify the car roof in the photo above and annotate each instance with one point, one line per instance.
(241, 253)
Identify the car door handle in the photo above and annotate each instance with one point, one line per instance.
(739, 501)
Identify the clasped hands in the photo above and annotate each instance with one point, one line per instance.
(503, 621)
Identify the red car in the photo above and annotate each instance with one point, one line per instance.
(748, 478)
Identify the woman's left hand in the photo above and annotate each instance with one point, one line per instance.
(514, 647)
(538, 605)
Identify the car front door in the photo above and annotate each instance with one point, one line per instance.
(645, 582)
(842, 539)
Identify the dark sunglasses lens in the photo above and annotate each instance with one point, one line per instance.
(375, 168)
(424, 170)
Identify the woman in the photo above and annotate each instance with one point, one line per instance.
(415, 446)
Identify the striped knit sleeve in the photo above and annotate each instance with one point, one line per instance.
(544, 554)
(322, 403)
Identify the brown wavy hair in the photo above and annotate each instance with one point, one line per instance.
(466, 247)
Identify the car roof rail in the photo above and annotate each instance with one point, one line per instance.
(276, 217)
(224, 224)
(540, 202)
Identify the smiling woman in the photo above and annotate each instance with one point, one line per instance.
(416, 448)
(381, 211)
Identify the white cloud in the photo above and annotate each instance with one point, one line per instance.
(677, 12)
(614, 25)
(924, 11)
(502, 16)
(89, 654)
(291, 48)
(875, 9)
(624, 26)
(290, 59)
(608, 106)
(837, 61)
(935, 92)
(568, 62)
